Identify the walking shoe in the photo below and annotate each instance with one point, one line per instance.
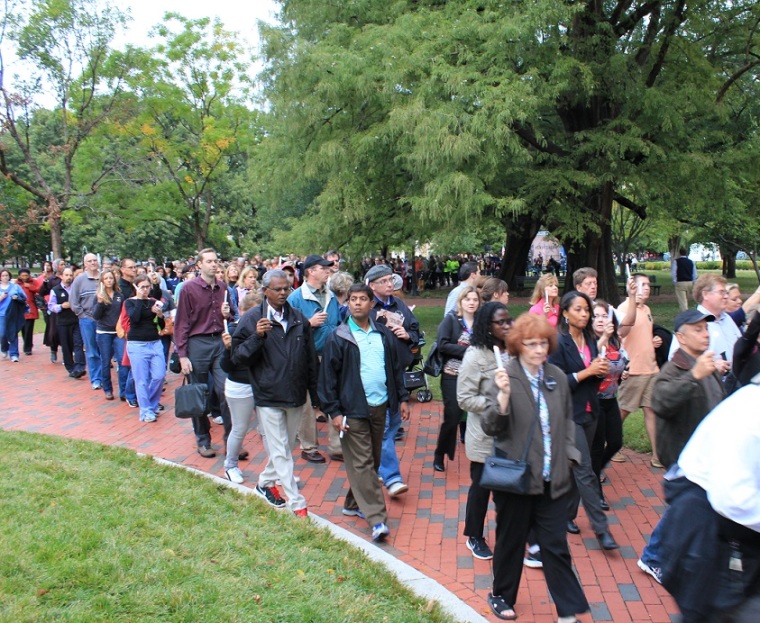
(234, 474)
(217, 420)
(53, 357)
(243, 455)
(379, 532)
(400, 434)
(337, 457)
(150, 418)
(206, 452)
(479, 548)
(14, 359)
(533, 560)
(619, 457)
(353, 512)
(655, 572)
(4, 354)
(606, 541)
(271, 495)
(109, 395)
(312, 456)
(132, 403)
(160, 407)
(397, 488)
(656, 463)
(28, 353)
(321, 418)
(97, 386)
(301, 512)
(123, 398)
(603, 504)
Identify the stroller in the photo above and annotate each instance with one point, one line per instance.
(414, 376)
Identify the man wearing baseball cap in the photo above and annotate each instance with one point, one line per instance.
(394, 314)
(688, 387)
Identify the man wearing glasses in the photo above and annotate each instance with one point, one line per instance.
(198, 329)
(394, 314)
(83, 300)
(320, 307)
(274, 340)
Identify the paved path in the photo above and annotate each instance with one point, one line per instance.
(426, 523)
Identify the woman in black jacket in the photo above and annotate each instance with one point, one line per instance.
(453, 340)
(144, 348)
(106, 313)
(578, 357)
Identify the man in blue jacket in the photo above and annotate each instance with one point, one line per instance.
(359, 380)
(319, 306)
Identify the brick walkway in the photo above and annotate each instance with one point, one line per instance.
(425, 523)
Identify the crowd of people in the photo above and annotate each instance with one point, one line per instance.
(289, 343)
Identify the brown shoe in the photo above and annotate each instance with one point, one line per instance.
(656, 463)
(313, 456)
(336, 457)
(206, 452)
(109, 396)
(619, 457)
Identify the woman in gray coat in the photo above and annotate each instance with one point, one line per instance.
(530, 390)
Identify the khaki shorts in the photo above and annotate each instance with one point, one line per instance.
(635, 392)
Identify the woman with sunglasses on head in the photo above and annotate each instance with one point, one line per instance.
(528, 411)
(144, 348)
(608, 439)
(545, 298)
(453, 340)
(578, 356)
(489, 329)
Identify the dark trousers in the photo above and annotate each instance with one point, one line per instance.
(205, 353)
(27, 334)
(586, 485)
(362, 445)
(515, 516)
(477, 503)
(72, 347)
(608, 438)
(452, 415)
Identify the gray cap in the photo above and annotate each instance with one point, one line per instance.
(691, 316)
(377, 272)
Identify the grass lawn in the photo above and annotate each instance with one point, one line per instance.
(96, 533)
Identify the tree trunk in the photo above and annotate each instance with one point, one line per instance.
(728, 253)
(56, 232)
(595, 249)
(520, 234)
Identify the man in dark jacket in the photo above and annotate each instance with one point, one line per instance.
(360, 379)
(394, 314)
(274, 340)
(685, 391)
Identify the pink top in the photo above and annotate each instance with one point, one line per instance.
(553, 316)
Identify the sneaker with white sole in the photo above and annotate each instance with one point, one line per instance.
(353, 512)
(235, 475)
(271, 495)
(217, 420)
(655, 572)
(533, 561)
(379, 532)
(397, 488)
(479, 548)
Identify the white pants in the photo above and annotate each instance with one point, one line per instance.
(280, 426)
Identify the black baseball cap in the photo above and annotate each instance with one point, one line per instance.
(316, 260)
(691, 316)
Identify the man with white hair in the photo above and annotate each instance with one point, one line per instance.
(83, 300)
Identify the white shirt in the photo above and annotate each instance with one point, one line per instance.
(723, 335)
(723, 457)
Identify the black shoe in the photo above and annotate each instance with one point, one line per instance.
(133, 404)
(438, 464)
(573, 528)
(606, 541)
(160, 407)
(28, 354)
(603, 504)
(244, 454)
(321, 418)
(400, 435)
(123, 398)
(313, 456)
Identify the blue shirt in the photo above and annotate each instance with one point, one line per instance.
(372, 368)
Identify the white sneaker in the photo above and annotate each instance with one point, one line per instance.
(397, 488)
(235, 475)
(217, 420)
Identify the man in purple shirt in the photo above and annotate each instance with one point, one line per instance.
(198, 328)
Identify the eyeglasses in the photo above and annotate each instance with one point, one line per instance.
(543, 344)
(721, 293)
(280, 290)
(503, 322)
(384, 282)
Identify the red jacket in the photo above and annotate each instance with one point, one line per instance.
(31, 288)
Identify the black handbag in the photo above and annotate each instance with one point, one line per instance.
(509, 475)
(174, 363)
(40, 302)
(434, 361)
(191, 400)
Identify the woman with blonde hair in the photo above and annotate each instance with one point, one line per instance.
(106, 313)
(545, 298)
(246, 282)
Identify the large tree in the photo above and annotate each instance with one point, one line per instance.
(533, 113)
(63, 47)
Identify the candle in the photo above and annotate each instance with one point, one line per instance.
(497, 354)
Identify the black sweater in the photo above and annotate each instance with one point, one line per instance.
(107, 314)
(142, 321)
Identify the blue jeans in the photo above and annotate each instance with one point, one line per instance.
(129, 385)
(389, 470)
(651, 554)
(7, 345)
(148, 370)
(111, 346)
(87, 327)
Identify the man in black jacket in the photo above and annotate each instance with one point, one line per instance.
(359, 380)
(274, 341)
